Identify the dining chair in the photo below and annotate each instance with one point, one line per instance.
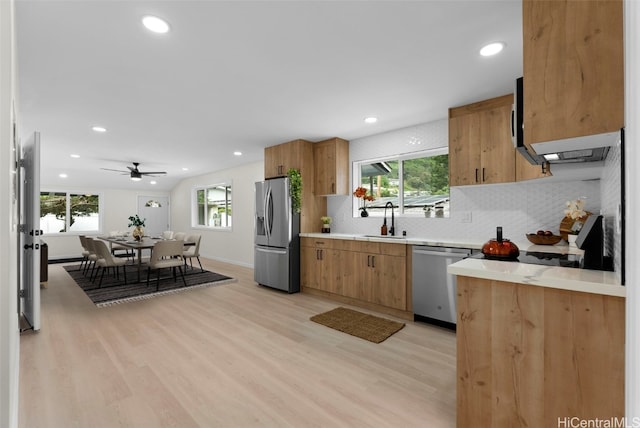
(192, 251)
(179, 236)
(107, 260)
(85, 252)
(92, 257)
(166, 254)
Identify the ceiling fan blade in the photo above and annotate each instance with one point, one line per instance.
(155, 172)
(133, 169)
(116, 170)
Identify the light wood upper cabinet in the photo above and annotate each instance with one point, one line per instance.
(332, 167)
(480, 148)
(573, 69)
(279, 159)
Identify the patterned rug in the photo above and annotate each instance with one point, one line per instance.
(113, 291)
(365, 326)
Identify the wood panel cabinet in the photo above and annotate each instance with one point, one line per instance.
(332, 167)
(368, 272)
(298, 154)
(279, 159)
(533, 356)
(573, 69)
(319, 265)
(480, 146)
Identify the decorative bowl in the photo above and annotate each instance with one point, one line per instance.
(534, 238)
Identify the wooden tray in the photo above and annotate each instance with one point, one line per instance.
(567, 223)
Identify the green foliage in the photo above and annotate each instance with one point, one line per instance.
(79, 205)
(136, 221)
(295, 190)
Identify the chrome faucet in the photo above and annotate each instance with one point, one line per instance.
(392, 231)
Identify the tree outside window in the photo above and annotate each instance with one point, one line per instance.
(423, 189)
(62, 212)
(213, 206)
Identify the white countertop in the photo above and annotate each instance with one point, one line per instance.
(584, 280)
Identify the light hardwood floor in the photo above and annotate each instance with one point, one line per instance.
(234, 355)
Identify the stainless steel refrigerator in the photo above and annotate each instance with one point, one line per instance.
(277, 244)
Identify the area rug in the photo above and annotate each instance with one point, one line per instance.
(364, 326)
(113, 291)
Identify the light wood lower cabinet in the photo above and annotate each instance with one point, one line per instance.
(367, 272)
(532, 356)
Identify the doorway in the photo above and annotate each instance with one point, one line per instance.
(155, 211)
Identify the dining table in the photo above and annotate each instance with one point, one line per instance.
(146, 243)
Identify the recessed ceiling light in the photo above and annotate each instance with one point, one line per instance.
(237, 153)
(153, 182)
(75, 156)
(63, 175)
(492, 49)
(99, 129)
(155, 24)
(370, 119)
(185, 169)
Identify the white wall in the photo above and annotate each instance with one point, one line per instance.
(116, 204)
(235, 245)
(9, 329)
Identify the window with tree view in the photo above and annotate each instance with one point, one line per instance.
(213, 206)
(416, 185)
(62, 212)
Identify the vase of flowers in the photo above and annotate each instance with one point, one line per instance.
(138, 223)
(361, 193)
(326, 224)
(575, 216)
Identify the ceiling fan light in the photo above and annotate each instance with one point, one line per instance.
(135, 178)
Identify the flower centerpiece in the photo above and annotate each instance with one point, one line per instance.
(138, 223)
(576, 214)
(326, 224)
(361, 193)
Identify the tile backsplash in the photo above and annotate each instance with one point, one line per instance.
(519, 208)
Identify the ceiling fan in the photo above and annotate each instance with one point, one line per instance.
(135, 173)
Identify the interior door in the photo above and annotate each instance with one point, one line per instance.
(155, 211)
(29, 206)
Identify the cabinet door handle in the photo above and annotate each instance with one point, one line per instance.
(368, 261)
(373, 261)
(333, 187)
(476, 175)
(483, 175)
(321, 254)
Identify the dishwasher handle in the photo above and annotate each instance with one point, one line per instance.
(456, 254)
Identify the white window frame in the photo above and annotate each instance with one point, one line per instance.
(195, 208)
(399, 210)
(68, 194)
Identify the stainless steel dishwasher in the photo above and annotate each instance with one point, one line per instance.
(434, 290)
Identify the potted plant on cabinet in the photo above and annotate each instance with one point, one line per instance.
(326, 224)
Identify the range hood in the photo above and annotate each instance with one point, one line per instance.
(591, 148)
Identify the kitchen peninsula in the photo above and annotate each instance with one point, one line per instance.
(537, 344)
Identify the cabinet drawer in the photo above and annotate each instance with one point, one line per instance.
(317, 242)
(393, 249)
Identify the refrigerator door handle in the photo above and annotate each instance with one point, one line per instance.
(270, 211)
(271, 250)
(266, 213)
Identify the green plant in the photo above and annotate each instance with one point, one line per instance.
(325, 219)
(134, 220)
(295, 189)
